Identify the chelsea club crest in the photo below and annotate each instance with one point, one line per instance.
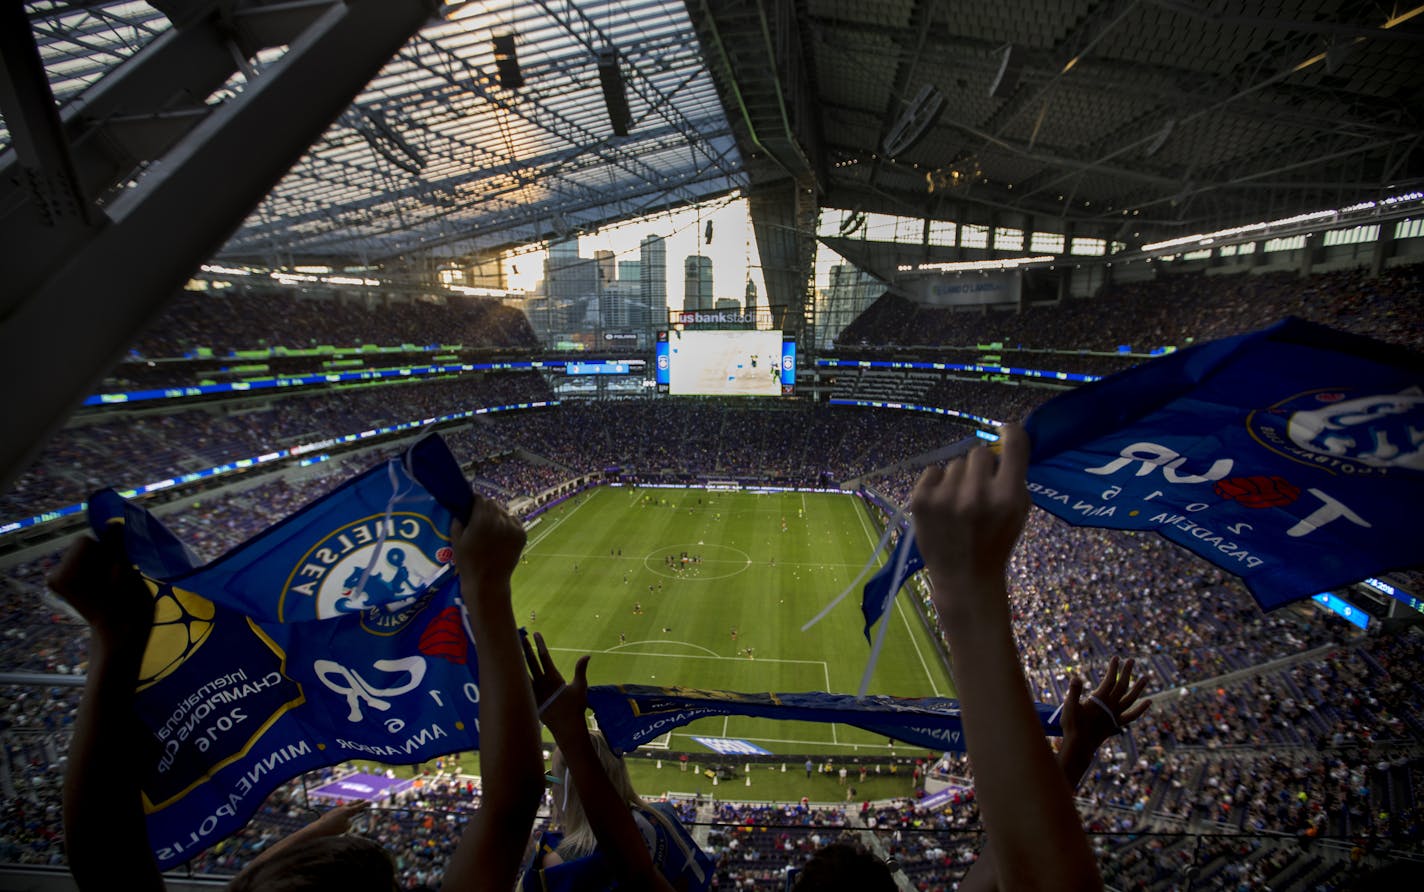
(376, 566)
(1340, 432)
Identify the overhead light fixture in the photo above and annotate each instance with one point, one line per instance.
(506, 62)
(959, 175)
(915, 121)
(967, 265)
(614, 93)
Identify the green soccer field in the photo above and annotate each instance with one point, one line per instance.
(765, 583)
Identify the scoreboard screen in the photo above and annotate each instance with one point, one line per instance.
(724, 363)
(598, 367)
(1342, 608)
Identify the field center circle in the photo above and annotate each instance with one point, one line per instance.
(714, 559)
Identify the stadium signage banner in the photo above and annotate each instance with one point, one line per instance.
(631, 715)
(944, 797)
(731, 746)
(1342, 608)
(958, 290)
(711, 317)
(1292, 457)
(335, 634)
(361, 786)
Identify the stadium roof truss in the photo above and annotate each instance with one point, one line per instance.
(435, 157)
(1183, 115)
(141, 140)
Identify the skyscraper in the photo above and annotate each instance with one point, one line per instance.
(568, 276)
(570, 284)
(697, 282)
(607, 267)
(852, 291)
(652, 275)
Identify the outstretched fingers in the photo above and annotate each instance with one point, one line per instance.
(542, 670)
(530, 660)
(580, 681)
(1131, 715)
(1013, 455)
(1105, 687)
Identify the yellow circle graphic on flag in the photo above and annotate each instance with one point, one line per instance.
(182, 621)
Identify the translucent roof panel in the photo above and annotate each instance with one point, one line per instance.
(435, 156)
(81, 42)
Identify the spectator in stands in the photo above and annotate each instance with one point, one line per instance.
(609, 831)
(104, 823)
(1087, 725)
(844, 866)
(967, 517)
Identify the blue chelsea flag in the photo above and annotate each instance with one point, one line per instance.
(905, 561)
(336, 634)
(1292, 457)
(630, 715)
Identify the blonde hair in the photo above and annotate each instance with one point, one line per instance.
(579, 839)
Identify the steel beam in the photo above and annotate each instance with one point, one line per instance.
(155, 233)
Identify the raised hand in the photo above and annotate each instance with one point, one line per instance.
(560, 702)
(1108, 710)
(337, 820)
(97, 580)
(487, 547)
(967, 517)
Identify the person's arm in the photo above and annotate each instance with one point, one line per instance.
(1089, 721)
(562, 709)
(1086, 726)
(967, 517)
(105, 834)
(330, 823)
(492, 848)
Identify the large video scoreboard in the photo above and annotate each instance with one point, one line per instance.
(725, 362)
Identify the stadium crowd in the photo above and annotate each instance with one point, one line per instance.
(1322, 746)
(1169, 310)
(142, 448)
(248, 319)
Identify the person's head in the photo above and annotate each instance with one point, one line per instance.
(349, 863)
(844, 866)
(568, 808)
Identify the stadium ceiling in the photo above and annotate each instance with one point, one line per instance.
(1157, 117)
(435, 157)
(1113, 117)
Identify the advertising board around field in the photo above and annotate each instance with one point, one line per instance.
(731, 746)
(361, 786)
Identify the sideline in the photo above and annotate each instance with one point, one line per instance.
(554, 525)
(865, 525)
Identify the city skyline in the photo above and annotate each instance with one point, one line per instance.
(733, 250)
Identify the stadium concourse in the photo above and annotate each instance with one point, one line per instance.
(1283, 749)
